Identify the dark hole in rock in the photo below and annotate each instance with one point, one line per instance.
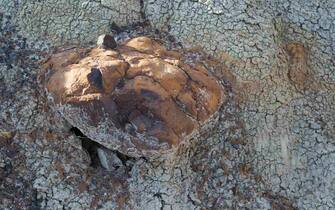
(126, 160)
(101, 156)
(95, 78)
(89, 145)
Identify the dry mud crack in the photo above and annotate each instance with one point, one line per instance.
(266, 142)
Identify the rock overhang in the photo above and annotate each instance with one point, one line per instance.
(137, 98)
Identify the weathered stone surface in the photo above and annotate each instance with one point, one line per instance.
(144, 93)
(282, 54)
(273, 146)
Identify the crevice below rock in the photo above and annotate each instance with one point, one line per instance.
(89, 146)
(102, 157)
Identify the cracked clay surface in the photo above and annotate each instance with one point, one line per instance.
(272, 147)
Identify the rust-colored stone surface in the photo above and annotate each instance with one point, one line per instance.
(144, 93)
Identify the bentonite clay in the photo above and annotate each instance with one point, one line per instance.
(138, 97)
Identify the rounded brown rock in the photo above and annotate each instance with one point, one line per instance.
(138, 98)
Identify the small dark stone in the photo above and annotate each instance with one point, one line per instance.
(95, 78)
(106, 41)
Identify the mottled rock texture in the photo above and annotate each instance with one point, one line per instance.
(282, 53)
(273, 146)
(63, 21)
(139, 98)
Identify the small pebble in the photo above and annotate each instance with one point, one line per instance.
(106, 41)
